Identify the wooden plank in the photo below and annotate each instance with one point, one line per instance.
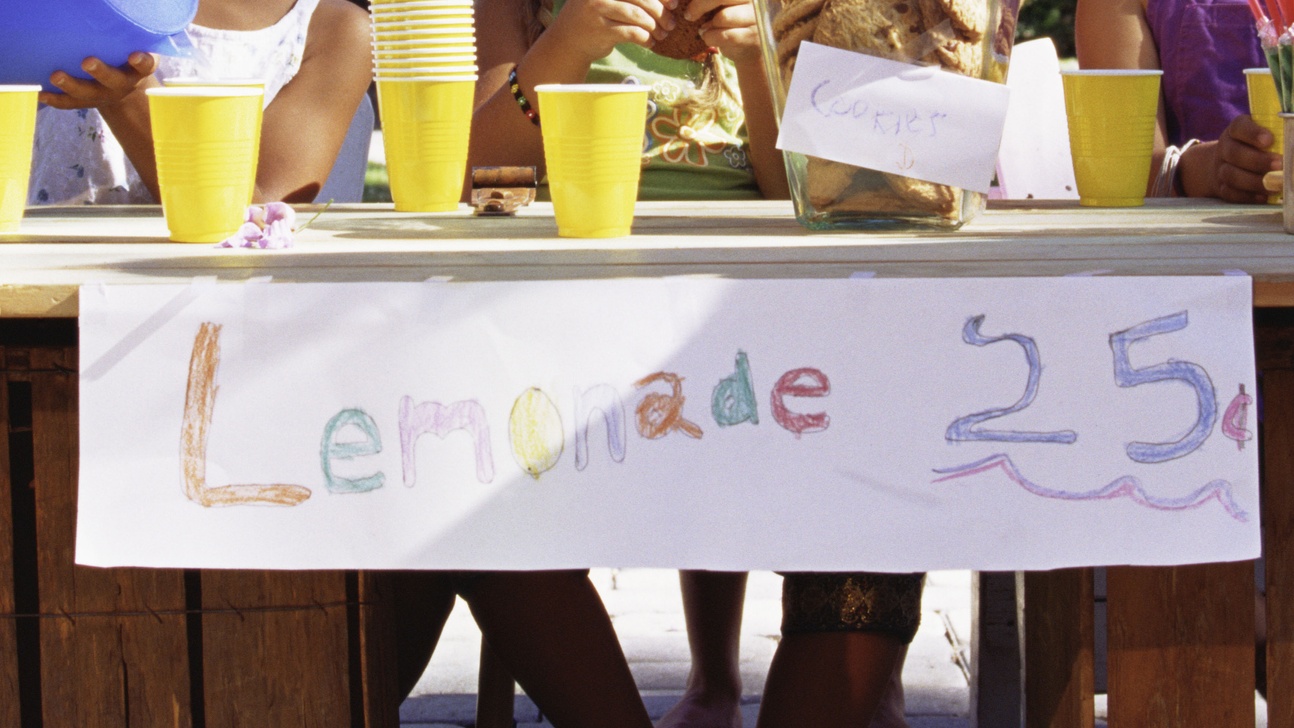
(1278, 542)
(1181, 645)
(274, 646)
(1056, 625)
(995, 684)
(377, 646)
(10, 698)
(113, 660)
(62, 248)
(1271, 294)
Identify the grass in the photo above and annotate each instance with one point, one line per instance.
(376, 186)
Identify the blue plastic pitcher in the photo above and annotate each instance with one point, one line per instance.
(38, 37)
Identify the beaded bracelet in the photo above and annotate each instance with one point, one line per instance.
(515, 87)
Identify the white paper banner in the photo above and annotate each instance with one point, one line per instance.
(730, 424)
(915, 121)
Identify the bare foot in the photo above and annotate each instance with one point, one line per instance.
(696, 711)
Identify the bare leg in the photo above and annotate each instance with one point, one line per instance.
(827, 679)
(423, 601)
(712, 605)
(891, 712)
(552, 631)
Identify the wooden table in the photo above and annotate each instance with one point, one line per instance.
(133, 647)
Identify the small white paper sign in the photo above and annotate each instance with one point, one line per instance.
(1033, 162)
(917, 121)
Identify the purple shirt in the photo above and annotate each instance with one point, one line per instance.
(1204, 47)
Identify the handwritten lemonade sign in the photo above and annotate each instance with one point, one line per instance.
(794, 424)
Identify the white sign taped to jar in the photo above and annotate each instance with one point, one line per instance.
(915, 121)
(798, 425)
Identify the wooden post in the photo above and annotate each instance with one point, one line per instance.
(1056, 625)
(1278, 544)
(995, 651)
(118, 657)
(1181, 644)
(10, 698)
(377, 648)
(307, 649)
(275, 649)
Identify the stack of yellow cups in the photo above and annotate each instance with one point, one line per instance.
(17, 133)
(424, 62)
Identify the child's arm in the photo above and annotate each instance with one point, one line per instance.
(118, 94)
(306, 123)
(733, 31)
(584, 31)
(1115, 34)
(303, 127)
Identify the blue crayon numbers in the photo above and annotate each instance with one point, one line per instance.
(1172, 370)
(1125, 375)
(964, 428)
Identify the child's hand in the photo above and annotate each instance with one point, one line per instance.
(592, 28)
(732, 29)
(1239, 161)
(108, 87)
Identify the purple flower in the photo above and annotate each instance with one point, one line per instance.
(280, 211)
(247, 236)
(270, 226)
(277, 234)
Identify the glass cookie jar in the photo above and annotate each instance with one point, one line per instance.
(968, 37)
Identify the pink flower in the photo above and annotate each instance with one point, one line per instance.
(270, 226)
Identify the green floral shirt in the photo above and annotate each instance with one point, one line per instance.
(687, 155)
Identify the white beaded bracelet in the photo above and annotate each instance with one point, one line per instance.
(1166, 182)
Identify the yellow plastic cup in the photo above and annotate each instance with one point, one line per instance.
(1111, 117)
(593, 149)
(426, 126)
(249, 82)
(1265, 108)
(17, 134)
(205, 139)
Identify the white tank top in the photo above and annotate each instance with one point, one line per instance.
(76, 159)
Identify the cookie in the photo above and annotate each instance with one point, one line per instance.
(920, 195)
(826, 180)
(684, 41)
(794, 13)
(960, 57)
(970, 18)
(789, 46)
(886, 28)
(1004, 38)
(871, 201)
